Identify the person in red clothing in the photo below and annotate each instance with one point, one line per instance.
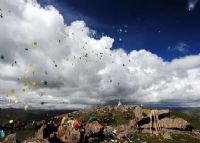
(76, 124)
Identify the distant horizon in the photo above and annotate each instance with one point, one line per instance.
(158, 106)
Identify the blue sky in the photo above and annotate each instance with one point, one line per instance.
(139, 24)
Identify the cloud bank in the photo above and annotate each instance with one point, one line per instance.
(46, 63)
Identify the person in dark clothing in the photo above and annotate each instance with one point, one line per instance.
(49, 130)
(54, 139)
(82, 131)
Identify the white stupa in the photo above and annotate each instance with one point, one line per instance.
(119, 103)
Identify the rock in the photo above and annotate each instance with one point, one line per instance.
(133, 124)
(68, 134)
(54, 139)
(126, 130)
(121, 136)
(39, 133)
(94, 140)
(109, 128)
(196, 132)
(138, 113)
(145, 126)
(168, 123)
(61, 131)
(123, 131)
(142, 115)
(50, 129)
(93, 129)
(177, 123)
(145, 131)
(108, 132)
(45, 131)
(167, 135)
(38, 124)
(10, 138)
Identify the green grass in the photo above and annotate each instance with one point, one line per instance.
(137, 138)
(117, 117)
(24, 134)
(140, 138)
(121, 119)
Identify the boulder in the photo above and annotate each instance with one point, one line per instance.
(142, 116)
(177, 123)
(61, 130)
(196, 132)
(39, 133)
(168, 123)
(167, 135)
(133, 124)
(94, 140)
(123, 131)
(109, 132)
(68, 134)
(54, 139)
(93, 129)
(45, 131)
(138, 113)
(10, 138)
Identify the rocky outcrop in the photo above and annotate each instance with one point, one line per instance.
(142, 115)
(92, 130)
(68, 134)
(46, 131)
(39, 133)
(168, 123)
(167, 135)
(176, 123)
(98, 131)
(10, 139)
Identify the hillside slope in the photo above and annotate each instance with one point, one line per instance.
(127, 123)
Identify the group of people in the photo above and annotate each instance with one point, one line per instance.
(70, 122)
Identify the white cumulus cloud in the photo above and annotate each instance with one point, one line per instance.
(50, 64)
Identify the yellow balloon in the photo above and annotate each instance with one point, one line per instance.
(30, 66)
(16, 100)
(35, 43)
(25, 84)
(12, 91)
(26, 107)
(11, 121)
(33, 82)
